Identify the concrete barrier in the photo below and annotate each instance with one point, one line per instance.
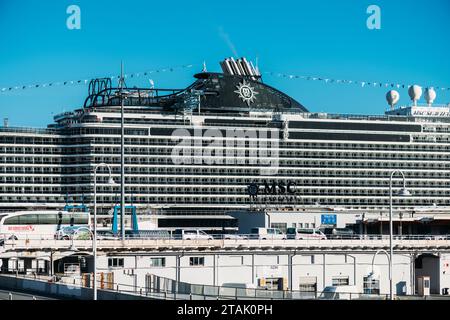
(60, 291)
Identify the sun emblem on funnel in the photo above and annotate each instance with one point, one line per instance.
(246, 92)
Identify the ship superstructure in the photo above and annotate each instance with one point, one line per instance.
(228, 141)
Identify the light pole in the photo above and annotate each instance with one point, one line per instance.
(74, 249)
(94, 238)
(122, 155)
(390, 270)
(402, 192)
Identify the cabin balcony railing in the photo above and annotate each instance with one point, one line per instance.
(26, 130)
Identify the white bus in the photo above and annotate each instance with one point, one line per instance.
(38, 224)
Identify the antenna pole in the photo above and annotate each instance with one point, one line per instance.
(122, 158)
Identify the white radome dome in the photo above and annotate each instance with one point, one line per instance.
(430, 95)
(415, 92)
(392, 97)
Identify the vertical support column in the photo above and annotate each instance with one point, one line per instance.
(177, 275)
(290, 271)
(214, 269)
(51, 263)
(178, 268)
(135, 273)
(439, 277)
(324, 271)
(354, 270)
(253, 269)
(413, 273)
(218, 269)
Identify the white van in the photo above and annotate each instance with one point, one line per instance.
(305, 234)
(192, 234)
(340, 293)
(268, 234)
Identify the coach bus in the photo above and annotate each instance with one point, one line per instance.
(39, 224)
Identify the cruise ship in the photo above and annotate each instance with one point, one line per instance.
(228, 141)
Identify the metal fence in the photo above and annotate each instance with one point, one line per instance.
(162, 235)
(177, 290)
(169, 289)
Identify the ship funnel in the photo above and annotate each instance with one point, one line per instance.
(245, 66)
(239, 67)
(242, 72)
(234, 67)
(226, 68)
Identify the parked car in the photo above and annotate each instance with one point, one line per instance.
(192, 234)
(106, 235)
(73, 232)
(343, 233)
(148, 234)
(436, 237)
(339, 293)
(268, 234)
(338, 233)
(305, 234)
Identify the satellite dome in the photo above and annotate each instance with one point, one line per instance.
(392, 98)
(415, 92)
(430, 95)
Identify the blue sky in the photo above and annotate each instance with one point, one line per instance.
(317, 38)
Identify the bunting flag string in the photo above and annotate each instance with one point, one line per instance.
(354, 82)
(171, 69)
(86, 81)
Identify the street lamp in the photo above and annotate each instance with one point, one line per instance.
(403, 193)
(372, 274)
(73, 248)
(94, 239)
(122, 154)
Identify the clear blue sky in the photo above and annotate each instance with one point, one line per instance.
(324, 38)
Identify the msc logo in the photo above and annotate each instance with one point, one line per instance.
(272, 189)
